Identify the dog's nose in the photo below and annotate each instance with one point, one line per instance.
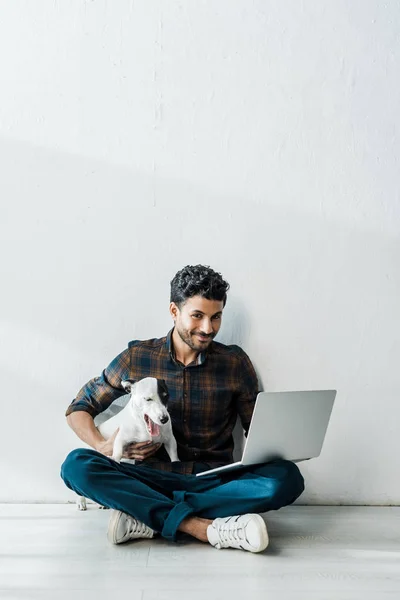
(164, 419)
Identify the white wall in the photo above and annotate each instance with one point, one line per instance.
(259, 137)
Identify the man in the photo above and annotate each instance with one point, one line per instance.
(210, 384)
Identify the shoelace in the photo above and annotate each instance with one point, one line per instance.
(137, 527)
(228, 534)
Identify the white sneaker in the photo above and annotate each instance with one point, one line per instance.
(247, 532)
(123, 527)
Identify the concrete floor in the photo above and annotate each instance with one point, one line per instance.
(316, 552)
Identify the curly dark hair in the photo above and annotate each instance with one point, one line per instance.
(198, 280)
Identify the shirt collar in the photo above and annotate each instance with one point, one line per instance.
(201, 358)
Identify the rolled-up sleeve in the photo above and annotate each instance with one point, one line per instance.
(98, 393)
(248, 390)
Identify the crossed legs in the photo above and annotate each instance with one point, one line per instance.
(171, 502)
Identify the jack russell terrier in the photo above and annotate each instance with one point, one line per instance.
(145, 417)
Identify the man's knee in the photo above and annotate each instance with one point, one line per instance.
(77, 465)
(294, 479)
(289, 482)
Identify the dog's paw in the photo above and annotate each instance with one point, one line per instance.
(81, 504)
(103, 507)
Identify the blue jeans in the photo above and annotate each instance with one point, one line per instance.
(162, 500)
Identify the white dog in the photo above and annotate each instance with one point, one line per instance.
(144, 418)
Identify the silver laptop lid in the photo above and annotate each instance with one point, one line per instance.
(289, 425)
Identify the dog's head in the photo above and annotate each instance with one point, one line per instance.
(149, 396)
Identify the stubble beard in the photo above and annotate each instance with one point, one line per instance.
(186, 337)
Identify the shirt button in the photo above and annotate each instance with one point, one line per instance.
(185, 395)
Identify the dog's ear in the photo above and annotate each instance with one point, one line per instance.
(162, 389)
(128, 384)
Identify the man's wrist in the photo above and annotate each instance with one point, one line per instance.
(98, 443)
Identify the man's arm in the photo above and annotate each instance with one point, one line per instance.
(83, 425)
(98, 393)
(249, 389)
(94, 398)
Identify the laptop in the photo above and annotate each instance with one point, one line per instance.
(288, 425)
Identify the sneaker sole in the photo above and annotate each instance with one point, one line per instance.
(113, 525)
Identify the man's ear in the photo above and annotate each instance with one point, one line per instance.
(173, 310)
(128, 384)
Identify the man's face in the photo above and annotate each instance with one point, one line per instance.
(198, 321)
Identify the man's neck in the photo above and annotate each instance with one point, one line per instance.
(183, 353)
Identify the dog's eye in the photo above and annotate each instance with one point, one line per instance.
(149, 399)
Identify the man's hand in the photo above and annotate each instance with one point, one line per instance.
(106, 446)
(136, 450)
(140, 450)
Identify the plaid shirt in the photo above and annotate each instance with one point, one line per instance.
(206, 396)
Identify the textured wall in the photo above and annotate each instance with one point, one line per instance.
(259, 137)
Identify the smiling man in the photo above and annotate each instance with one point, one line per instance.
(210, 385)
